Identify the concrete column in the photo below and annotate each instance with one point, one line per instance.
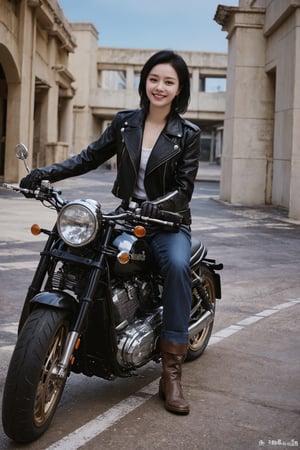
(13, 170)
(195, 80)
(294, 200)
(86, 81)
(20, 102)
(80, 131)
(130, 78)
(52, 101)
(248, 131)
(66, 121)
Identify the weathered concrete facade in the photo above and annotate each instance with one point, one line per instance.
(59, 89)
(107, 81)
(261, 151)
(35, 83)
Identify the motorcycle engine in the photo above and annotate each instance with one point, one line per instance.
(138, 342)
(138, 320)
(133, 297)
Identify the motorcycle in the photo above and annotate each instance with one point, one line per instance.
(94, 305)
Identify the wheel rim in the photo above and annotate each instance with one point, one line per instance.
(49, 386)
(199, 339)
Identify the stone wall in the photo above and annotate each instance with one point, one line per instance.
(261, 152)
(36, 95)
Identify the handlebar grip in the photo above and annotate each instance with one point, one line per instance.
(170, 216)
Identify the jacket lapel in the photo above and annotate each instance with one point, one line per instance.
(165, 148)
(132, 132)
(167, 145)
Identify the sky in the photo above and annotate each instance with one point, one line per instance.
(156, 24)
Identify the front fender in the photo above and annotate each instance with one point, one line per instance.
(57, 299)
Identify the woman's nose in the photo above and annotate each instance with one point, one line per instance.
(159, 86)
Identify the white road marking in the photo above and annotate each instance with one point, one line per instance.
(7, 348)
(96, 426)
(93, 428)
(249, 320)
(17, 252)
(30, 265)
(9, 327)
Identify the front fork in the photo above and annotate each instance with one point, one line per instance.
(38, 278)
(64, 363)
(73, 338)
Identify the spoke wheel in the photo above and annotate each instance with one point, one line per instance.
(49, 386)
(32, 388)
(198, 342)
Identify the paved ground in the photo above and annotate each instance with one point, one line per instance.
(244, 391)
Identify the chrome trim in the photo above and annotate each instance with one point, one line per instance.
(202, 323)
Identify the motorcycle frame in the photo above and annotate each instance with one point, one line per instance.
(80, 311)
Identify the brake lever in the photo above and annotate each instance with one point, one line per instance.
(17, 188)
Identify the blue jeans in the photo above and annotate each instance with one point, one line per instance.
(172, 253)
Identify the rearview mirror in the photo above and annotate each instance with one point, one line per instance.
(22, 153)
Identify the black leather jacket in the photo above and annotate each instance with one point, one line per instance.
(171, 168)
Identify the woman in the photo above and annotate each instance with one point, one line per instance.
(157, 160)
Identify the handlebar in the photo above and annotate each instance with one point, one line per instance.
(43, 193)
(17, 188)
(47, 193)
(165, 218)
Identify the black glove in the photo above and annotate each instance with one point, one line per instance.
(149, 209)
(32, 180)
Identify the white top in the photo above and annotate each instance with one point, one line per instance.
(139, 190)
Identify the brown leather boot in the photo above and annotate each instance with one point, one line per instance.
(170, 390)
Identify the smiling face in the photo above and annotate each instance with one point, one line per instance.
(162, 86)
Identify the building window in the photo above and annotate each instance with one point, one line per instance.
(211, 145)
(212, 84)
(113, 79)
(205, 147)
(137, 77)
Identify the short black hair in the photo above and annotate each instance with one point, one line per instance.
(181, 101)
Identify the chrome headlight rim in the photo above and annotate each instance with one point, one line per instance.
(77, 234)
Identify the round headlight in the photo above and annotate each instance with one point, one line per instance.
(78, 222)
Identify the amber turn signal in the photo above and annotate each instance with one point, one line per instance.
(123, 257)
(139, 231)
(35, 229)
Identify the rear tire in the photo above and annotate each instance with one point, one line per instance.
(32, 390)
(198, 343)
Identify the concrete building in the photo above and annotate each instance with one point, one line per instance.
(59, 90)
(36, 89)
(261, 151)
(109, 83)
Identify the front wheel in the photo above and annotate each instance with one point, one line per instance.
(32, 389)
(198, 342)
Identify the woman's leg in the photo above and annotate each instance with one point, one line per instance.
(172, 252)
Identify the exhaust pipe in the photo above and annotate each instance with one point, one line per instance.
(202, 323)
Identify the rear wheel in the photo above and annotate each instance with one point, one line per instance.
(32, 389)
(198, 342)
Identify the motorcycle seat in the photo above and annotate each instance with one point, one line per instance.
(198, 251)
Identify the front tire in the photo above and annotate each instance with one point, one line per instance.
(32, 390)
(198, 343)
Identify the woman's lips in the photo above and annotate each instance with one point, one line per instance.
(158, 96)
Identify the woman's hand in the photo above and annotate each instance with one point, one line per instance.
(149, 209)
(32, 180)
